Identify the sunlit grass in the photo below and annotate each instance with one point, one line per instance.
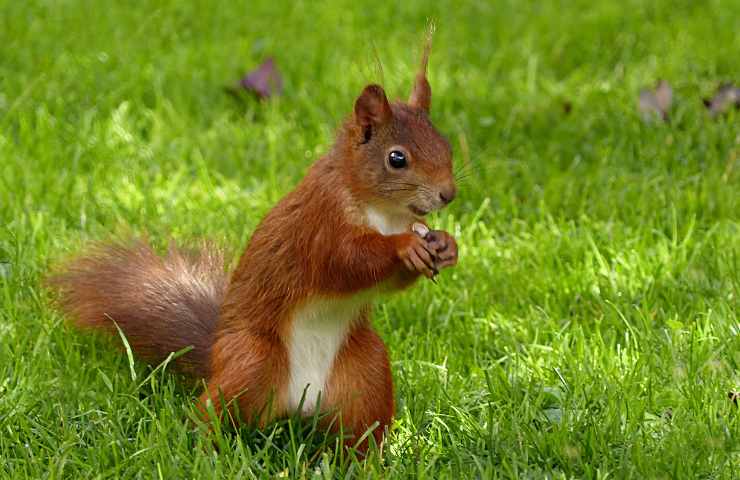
(590, 329)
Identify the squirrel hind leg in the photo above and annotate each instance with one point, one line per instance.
(161, 304)
(361, 388)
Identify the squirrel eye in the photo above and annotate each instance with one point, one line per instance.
(397, 159)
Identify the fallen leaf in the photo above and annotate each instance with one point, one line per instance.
(656, 103)
(265, 81)
(728, 95)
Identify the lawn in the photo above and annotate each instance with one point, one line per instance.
(590, 329)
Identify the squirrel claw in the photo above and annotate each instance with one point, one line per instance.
(441, 245)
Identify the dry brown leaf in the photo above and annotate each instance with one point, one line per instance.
(656, 103)
(264, 81)
(727, 96)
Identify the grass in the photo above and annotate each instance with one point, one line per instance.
(590, 329)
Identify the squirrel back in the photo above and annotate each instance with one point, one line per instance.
(161, 304)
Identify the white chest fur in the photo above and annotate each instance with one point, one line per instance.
(385, 223)
(319, 329)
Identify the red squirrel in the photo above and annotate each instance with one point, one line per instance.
(291, 326)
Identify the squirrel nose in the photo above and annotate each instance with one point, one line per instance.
(447, 194)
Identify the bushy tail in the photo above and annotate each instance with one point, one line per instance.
(162, 304)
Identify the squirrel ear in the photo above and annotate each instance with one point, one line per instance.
(372, 107)
(421, 94)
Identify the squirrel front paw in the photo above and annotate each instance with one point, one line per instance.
(417, 256)
(444, 247)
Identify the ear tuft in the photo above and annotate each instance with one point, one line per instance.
(372, 107)
(421, 94)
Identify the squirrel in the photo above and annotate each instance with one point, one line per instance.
(290, 329)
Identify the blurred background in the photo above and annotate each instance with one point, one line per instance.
(538, 93)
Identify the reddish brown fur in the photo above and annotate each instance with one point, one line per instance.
(316, 243)
(361, 387)
(421, 94)
(161, 304)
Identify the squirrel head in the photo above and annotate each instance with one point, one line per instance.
(398, 161)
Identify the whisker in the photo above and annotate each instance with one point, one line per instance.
(468, 170)
(396, 189)
(462, 181)
(463, 177)
(463, 174)
(396, 182)
(392, 189)
(411, 186)
(464, 170)
(468, 167)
